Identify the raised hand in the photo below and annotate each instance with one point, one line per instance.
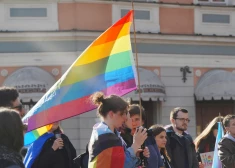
(58, 143)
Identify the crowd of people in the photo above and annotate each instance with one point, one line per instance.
(118, 141)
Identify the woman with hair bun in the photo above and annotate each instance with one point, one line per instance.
(106, 147)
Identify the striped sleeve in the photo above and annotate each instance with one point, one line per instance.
(106, 152)
(113, 157)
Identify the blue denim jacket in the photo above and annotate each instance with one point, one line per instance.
(131, 159)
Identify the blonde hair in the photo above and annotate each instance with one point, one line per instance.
(206, 132)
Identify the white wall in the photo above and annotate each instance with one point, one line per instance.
(79, 129)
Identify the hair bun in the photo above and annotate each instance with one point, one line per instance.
(98, 98)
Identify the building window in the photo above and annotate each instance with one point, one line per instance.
(139, 14)
(139, 0)
(215, 18)
(29, 17)
(211, 1)
(28, 12)
(146, 17)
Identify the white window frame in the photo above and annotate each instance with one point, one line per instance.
(142, 9)
(216, 13)
(29, 23)
(211, 2)
(152, 25)
(10, 6)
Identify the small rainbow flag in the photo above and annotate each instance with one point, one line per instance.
(107, 65)
(216, 161)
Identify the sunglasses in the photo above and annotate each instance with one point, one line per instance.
(19, 107)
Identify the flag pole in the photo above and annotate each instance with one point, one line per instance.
(137, 62)
(138, 80)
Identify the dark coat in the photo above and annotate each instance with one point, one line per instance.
(61, 158)
(176, 150)
(227, 153)
(81, 161)
(9, 158)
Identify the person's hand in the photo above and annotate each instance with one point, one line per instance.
(57, 144)
(146, 152)
(140, 136)
(138, 139)
(201, 165)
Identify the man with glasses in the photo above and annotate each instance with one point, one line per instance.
(9, 97)
(227, 144)
(180, 146)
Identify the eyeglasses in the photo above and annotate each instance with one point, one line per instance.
(183, 119)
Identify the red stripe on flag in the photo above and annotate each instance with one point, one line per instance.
(118, 157)
(76, 107)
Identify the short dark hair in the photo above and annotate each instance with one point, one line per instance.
(110, 103)
(11, 129)
(7, 96)
(175, 111)
(227, 119)
(134, 109)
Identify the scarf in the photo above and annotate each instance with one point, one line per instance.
(10, 156)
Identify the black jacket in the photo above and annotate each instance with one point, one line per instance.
(205, 145)
(227, 153)
(9, 158)
(81, 161)
(181, 150)
(61, 158)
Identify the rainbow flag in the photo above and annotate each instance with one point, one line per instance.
(107, 65)
(216, 162)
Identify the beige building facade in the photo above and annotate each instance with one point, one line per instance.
(186, 53)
